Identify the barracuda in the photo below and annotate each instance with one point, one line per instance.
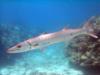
(44, 40)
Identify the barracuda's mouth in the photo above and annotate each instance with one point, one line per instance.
(14, 51)
(11, 50)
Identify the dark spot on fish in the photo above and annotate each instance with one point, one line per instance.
(36, 44)
(19, 46)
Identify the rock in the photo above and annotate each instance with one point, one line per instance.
(85, 50)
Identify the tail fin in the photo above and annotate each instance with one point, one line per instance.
(89, 27)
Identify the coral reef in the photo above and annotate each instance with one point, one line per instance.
(85, 50)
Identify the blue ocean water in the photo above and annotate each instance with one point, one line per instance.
(20, 20)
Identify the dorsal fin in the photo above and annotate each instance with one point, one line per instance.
(88, 26)
(65, 29)
(89, 23)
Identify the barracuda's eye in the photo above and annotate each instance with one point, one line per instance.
(19, 46)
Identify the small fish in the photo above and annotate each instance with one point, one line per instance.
(44, 40)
